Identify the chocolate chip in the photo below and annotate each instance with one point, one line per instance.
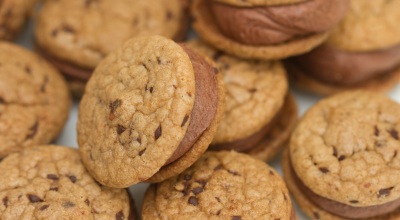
(144, 65)
(197, 190)
(52, 176)
(380, 143)
(139, 140)
(120, 129)
(157, 133)
(270, 172)
(174, 86)
(218, 168)
(158, 61)
(142, 152)
(233, 173)
(334, 152)
(1, 159)
(252, 90)
(34, 198)
(354, 201)
(226, 66)
(151, 89)
(54, 189)
(185, 189)
(376, 130)
(217, 55)
(87, 202)
(28, 70)
(219, 212)
(201, 182)
(324, 169)
(54, 33)
(395, 154)
(236, 217)
(67, 204)
(169, 15)
(114, 105)
(185, 119)
(190, 95)
(394, 133)
(216, 71)
(44, 207)
(120, 215)
(316, 215)
(384, 192)
(187, 177)
(1, 101)
(217, 199)
(342, 158)
(193, 201)
(33, 130)
(72, 178)
(284, 196)
(5, 200)
(68, 29)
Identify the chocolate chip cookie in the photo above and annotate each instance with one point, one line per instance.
(34, 100)
(266, 29)
(343, 161)
(221, 185)
(149, 111)
(13, 14)
(362, 53)
(259, 114)
(50, 182)
(75, 35)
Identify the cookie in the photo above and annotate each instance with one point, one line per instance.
(342, 161)
(351, 59)
(149, 111)
(34, 100)
(266, 29)
(75, 35)
(50, 182)
(255, 104)
(221, 185)
(13, 14)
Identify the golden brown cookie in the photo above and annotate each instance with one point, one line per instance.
(13, 14)
(221, 185)
(342, 158)
(149, 111)
(354, 57)
(75, 35)
(255, 103)
(251, 30)
(50, 182)
(34, 100)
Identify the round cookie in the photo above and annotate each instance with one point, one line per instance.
(255, 104)
(13, 14)
(34, 100)
(266, 29)
(221, 185)
(75, 35)
(149, 111)
(50, 182)
(353, 57)
(342, 161)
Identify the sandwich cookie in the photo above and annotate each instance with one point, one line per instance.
(149, 111)
(50, 182)
(34, 100)
(75, 35)
(260, 113)
(221, 185)
(362, 53)
(266, 29)
(343, 162)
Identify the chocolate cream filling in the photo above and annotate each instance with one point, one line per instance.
(334, 66)
(341, 209)
(205, 103)
(248, 143)
(277, 24)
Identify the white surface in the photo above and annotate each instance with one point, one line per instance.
(68, 135)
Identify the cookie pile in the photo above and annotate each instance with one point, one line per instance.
(199, 119)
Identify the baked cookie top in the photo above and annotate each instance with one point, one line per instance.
(13, 14)
(50, 182)
(34, 100)
(368, 25)
(258, 3)
(345, 148)
(220, 185)
(83, 32)
(131, 115)
(256, 91)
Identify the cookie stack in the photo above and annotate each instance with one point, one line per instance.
(198, 120)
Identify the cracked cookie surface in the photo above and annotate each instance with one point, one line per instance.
(34, 100)
(131, 116)
(50, 182)
(345, 148)
(220, 185)
(84, 31)
(255, 93)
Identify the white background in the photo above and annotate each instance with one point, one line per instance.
(68, 135)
